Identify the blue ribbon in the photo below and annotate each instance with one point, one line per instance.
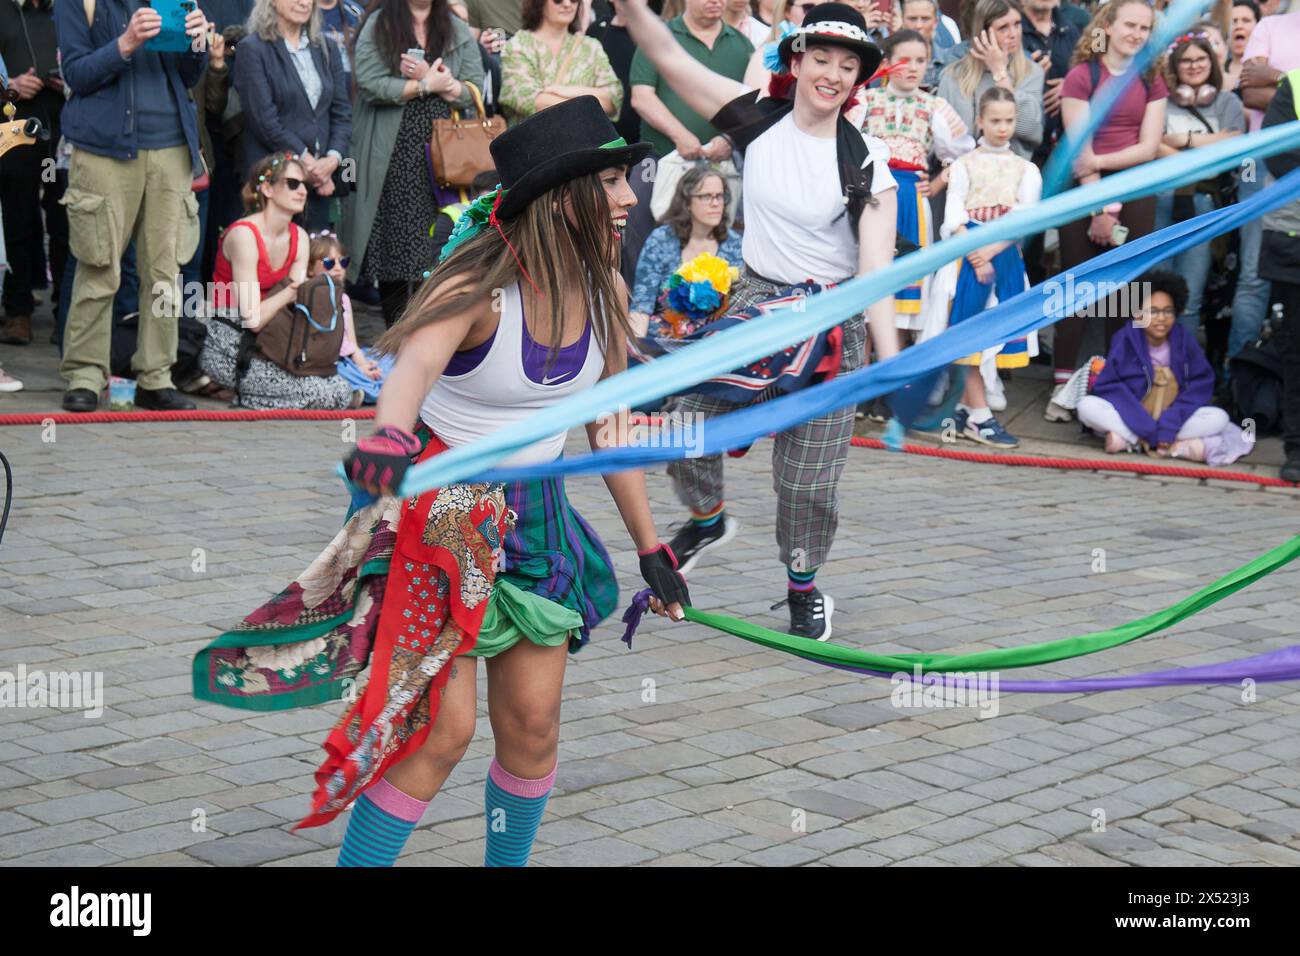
(1031, 309)
(782, 327)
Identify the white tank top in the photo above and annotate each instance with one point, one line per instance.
(497, 392)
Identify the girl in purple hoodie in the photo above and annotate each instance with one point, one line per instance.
(1190, 427)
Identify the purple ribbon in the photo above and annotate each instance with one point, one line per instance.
(1279, 665)
(632, 616)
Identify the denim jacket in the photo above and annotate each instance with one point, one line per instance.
(100, 116)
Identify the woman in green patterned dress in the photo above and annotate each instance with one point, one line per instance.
(549, 61)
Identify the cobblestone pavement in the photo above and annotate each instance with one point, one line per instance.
(695, 748)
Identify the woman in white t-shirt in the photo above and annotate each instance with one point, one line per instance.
(819, 207)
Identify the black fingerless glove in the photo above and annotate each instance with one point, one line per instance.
(659, 568)
(382, 459)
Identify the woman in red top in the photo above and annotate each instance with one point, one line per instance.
(1129, 136)
(257, 253)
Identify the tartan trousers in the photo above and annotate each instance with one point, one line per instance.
(806, 460)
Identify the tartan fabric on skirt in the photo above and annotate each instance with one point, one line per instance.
(806, 460)
(403, 588)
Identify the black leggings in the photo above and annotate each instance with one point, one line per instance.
(1139, 215)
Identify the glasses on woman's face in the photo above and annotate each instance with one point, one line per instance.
(1194, 61)
(294, 185)
(709, 199)
(328, 262)
(1153, 313)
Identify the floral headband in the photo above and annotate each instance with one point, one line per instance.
(285, 157)
(1186, 38)
(323, 234)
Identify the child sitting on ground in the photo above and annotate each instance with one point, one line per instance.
(361, 371)
(1154, 392)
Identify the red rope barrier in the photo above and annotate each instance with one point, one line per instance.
(1132, 466)
(1138, 466)
(198, 415)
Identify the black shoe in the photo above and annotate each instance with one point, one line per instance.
(80, 400)
(810, 613)
(1291, 470)
(691, 541)
(162, 400)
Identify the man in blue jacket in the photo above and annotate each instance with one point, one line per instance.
(135, 138)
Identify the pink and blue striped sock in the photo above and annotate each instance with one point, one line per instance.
(801, 580)
(382, 820)
(514, 812)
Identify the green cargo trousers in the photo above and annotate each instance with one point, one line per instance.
(110, 202)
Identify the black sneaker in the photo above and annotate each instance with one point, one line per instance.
(810, 613)
(691, 541)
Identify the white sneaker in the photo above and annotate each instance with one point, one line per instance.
(9, 383)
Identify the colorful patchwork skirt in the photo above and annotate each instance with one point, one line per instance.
(405, 586)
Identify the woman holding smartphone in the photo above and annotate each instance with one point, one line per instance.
(1129, 136)
(413, 63)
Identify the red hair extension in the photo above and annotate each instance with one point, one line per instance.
(781, 87)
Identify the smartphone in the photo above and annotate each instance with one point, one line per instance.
(886, 7)
(172, 38)
(1118, 234)
(54, 71)
(415, 53)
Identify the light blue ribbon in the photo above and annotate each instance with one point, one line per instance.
(1016, 317)
(784, 326)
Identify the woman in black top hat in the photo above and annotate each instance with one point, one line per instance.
(526, 308)
(819, 205)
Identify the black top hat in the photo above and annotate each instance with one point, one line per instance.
(836, 24)
(557, 145)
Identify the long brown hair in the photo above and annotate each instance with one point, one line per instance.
(557, 254)
(1180, 50)
(968, 70)
(679, 218)
(1092, 41)
(395, 30)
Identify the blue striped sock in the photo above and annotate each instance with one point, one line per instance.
(382, 820)
(514, 812)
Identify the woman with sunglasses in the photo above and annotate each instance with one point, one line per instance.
(525, 310)
(258, 253)
(550, 61)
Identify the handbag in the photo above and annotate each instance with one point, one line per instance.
(304, 337)
(458, 147)
(1163, 391)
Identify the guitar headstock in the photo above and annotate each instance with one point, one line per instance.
(20, 133)
(17, 132)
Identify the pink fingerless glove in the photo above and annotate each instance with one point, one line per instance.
(382, 459)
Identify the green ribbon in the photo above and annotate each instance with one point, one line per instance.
(614, 144)
(1009, 657)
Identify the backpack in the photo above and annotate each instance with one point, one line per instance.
(1257, 385)
(303, 338)
(1094, 72)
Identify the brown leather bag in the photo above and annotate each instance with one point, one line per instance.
(458, 148)
(1164, 389)
(304, 338)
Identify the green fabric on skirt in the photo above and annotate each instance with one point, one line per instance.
(514, 614)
